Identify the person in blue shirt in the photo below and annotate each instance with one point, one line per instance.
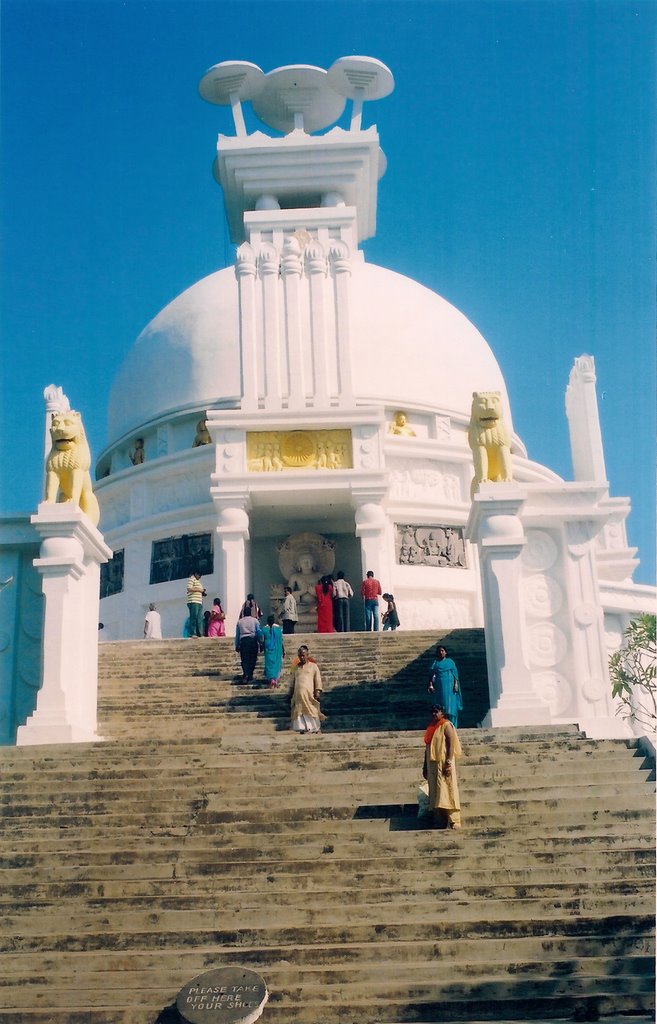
(274, 652)
(444, 682)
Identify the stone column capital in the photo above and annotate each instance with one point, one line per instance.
(66, 523)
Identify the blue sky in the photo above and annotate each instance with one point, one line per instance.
(521, 151)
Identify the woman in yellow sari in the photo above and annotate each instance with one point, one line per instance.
(305, 693)
(443, 747)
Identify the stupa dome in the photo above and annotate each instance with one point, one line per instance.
(409, 347)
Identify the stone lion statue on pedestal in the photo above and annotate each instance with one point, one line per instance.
(489, 439)
(67, 467)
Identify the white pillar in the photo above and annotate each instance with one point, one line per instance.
(594, 703)
(316, 273)
(232, 534)
(372, 531)
(69, 563)
(495, 526)
(340, 263)
(268, 270)
(291, 268)
(245, 271)
(584, 422)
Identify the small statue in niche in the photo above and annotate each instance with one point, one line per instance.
(67, 467)
(489, 440)
(399, 425)
(202, 434)
(137, 454)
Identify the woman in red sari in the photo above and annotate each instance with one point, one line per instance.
(324, 594)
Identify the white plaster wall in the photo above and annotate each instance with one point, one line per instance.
(404, 339)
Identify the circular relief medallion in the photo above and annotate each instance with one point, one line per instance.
(554, 689)
(542, 596)
(593, 690)
(585, 614)
(228, 995)
(297, 449)
(540, 551)
(547, 644)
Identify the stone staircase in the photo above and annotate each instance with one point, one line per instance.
(206, 834)
(374, 682)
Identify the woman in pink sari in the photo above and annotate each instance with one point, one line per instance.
(217, 624)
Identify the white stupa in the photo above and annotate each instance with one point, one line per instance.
(336, 393)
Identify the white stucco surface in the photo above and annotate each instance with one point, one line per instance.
(188, 354)
(409, 346)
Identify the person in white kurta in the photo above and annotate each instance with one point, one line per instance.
(152, 624)
(442, 752)
(304, 694)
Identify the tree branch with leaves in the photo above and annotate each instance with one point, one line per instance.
(633, 672)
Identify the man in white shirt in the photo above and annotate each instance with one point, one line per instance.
(343, 592)
(152, 624)
(290, 615)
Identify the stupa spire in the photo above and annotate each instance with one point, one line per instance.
(301, 170)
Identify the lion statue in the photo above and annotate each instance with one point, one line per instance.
(67, 466)
(489, 440)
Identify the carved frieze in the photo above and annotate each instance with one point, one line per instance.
(180, 491)
(542, 596)
(423, 480)
(423, 613)
(437, 545)
(546, 644)
(554, 689)
(540, 551)
(272, 451)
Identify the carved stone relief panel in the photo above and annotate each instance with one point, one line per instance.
(180, 491)
(424, 480)
(366, 446)
(277, 451)
(544, 604)
(230, 450)
(443, 428)
(555, 690)
(442, 545)
(424, 613)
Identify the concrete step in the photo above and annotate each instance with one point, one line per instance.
(171, 933)
(208, 883)
(292, 984)
(505, 951)
(152, 862)
(211, 834)
(247, 915)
